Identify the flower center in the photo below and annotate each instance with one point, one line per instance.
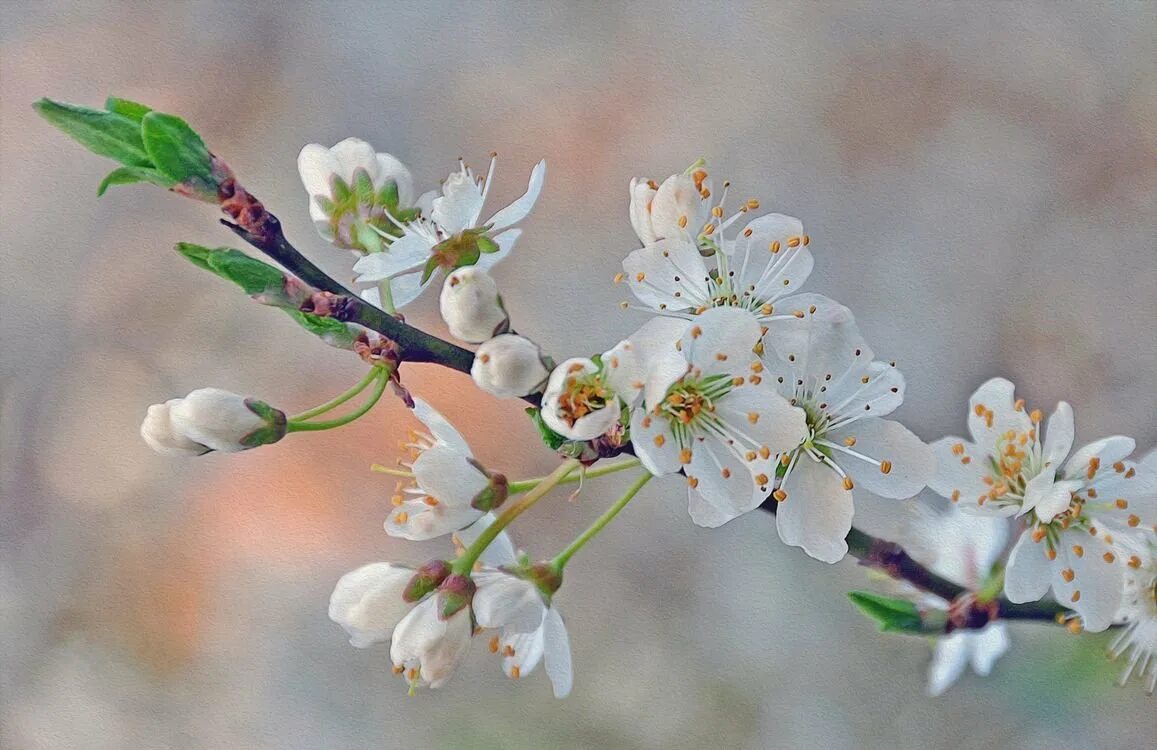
(689, 406)
(584, 394)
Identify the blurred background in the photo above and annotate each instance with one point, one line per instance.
(979, 181)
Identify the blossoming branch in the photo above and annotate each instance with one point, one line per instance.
(743, 389)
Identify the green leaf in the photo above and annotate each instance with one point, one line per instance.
(130, 175)
(176, 150)
(130, 109)
(892, 615)
(333, 332)
(552, 439)
(252, 275)
(197, 254)
(104, 133)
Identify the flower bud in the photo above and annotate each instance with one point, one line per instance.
(509, 366)
(494, 494)
(226, 422)
(471, 305)
(426, 579)
(159, 433)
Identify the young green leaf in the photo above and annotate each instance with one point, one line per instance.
(130, 175)
(332, 332)
(892, 615)
(176, 150)
(130, 109)
(252, 275)
(104, 133)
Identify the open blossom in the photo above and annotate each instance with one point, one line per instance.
(963, 548)
(211, 419)
(450, 234)
(760, 270)
(471, 306)
(449, 491)
(1073, 505)
(1137, 641)
(822, 365)
(584, 398)
(709, 413)
(678, 208)
(331, 176)
(509, 366)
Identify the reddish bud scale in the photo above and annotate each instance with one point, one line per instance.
(426, 579)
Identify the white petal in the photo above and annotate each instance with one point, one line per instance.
(444, 472)
(390, 168)
(819, 348)
(501, 550)
(506, 601)
(459, 205)
(772, 274)
(723, 486)
(995, 395)
(721, 340)
(505, 242)
(368, 602)
(817, 513)
(556, 646)
(527, 647)
(949, 659)
(519, 209)
(407, 288)
(1125, 498)
(439, 427)
(764, 416)
(317, 164)
(408, 253)
(988, 645)
(436, 644)
(955, 477)
(668, 275)
(1029, 571)
(912, 462)
(654, 444)
(1107, 450)
(1059, 433)
(354, 154)
(640, 209)
(678, 210)
(417, 521)
(880, 395)
(1048, 498)
(1098, 579)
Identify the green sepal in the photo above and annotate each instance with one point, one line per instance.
(388, 197)
(892, 615)
(426, 579)
(179, 153)
(130, 175)
(275, 424)
(109, 134)
(363, 187)
(553, 440)
(339, 189)
(431, 266)
(369, 240)
(130, 109)
(455, 594)
(487, 245)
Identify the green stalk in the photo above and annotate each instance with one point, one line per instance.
(379, 388)
(563, 557)
(337, 400)
(524, 485)
(463, 565)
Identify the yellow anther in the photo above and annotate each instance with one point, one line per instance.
(1108, 557)
(1068, 574)
(1076, 597)
(640, 276)
(886, 467)
(515, 672)
(955, 496)
(764, 452)
(1134, 521)
(693, 482)
(774, 246)
(402, 517)
(753, 417)
(848, 484)
(726, 472)
(397, 501)
(752, 204)
(682, 222)
(779, 495)
(1019, 405)
(696, 332)
(1035, 416)
(619, 277)
(793, 241)
(849, 441)
(717, 211)
(660, 440)
(1078, 550)
(685, 456)
(494, 645)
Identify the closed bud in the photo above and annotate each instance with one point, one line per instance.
(471, 305)
(454, 595)
(509, 366)
(546, 577)
(225, 421)
(158, 431)
(426, 578)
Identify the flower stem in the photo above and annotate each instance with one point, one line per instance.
(337, 400)
(524, 485)
(465, 563)
(387, 295)
(563, 557)
(382, 380)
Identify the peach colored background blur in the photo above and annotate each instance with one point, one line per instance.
(980, 184)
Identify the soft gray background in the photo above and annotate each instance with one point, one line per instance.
(979, 183)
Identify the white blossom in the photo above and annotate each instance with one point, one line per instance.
(676, 208)
(509, 366)
(1137, 615)
(425, 647)
(334, 210)
(963, 548)
(1073, 504)
(439, 499)
(158, 431)
(822, 365)
(450, 234)
(471, 306)
(584, 398)
(709, 413)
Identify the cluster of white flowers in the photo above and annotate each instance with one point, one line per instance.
(754, 392)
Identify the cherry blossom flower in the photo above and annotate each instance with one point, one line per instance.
(1073, 504)
(674, 209)
(963, 548)
(336, 204)
(449, 489)
(1138, 612)
(450, 234)
(822, 365)
(709, 413)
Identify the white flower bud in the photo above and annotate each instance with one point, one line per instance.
(225, 421)
(508, 366)
(369, 602)
(159, 433)
(471, 305)
(642, 193)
